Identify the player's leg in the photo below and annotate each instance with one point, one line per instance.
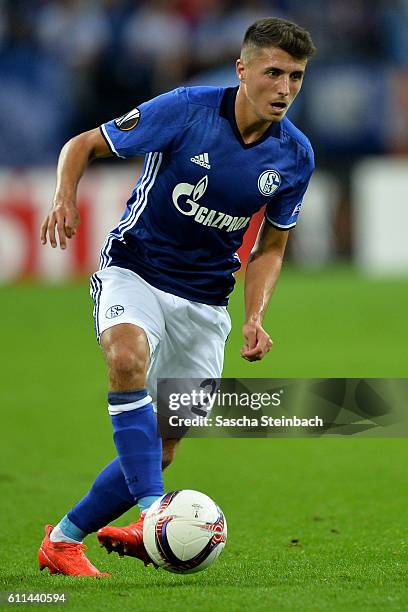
(136, 475)
(139, 453)
(135, 429)
(192, 348)
(169, 451)
(128, 540)
(136, 438)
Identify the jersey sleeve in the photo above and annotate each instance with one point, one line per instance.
(282, 210)
(150, 127)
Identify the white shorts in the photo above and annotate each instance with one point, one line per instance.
(186, 338)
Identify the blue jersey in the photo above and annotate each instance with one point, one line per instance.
(199, 187)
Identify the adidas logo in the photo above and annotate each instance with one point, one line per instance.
(201, 160)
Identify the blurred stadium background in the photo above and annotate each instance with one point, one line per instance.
(68, 65)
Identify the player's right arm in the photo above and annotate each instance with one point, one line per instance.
(74, 158)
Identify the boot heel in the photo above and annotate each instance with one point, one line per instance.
(42, 563)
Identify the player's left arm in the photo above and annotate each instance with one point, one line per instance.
(262, 273)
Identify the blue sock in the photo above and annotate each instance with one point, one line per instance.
(137, 442)
(144, 503)
(70, 530)
(108, 498)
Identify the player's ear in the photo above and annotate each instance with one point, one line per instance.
(240, 69)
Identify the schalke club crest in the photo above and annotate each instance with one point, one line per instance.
(269, 182)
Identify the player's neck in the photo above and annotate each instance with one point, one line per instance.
(250, 126)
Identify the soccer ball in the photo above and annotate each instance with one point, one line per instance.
(184, 531)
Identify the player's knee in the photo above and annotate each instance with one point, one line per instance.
(125, 361)
(169, 452)
(167, 458)
(126, 351)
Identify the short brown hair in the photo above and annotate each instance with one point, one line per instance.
(275, 32)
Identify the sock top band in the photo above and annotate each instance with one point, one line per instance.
(116, 398)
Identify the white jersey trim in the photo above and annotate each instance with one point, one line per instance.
(119, 408)
(280, 224)
(112, 146)
(148, 179)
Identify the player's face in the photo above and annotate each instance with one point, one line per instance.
(270, 80)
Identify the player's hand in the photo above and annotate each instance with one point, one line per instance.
(257, 342)
(65, 218)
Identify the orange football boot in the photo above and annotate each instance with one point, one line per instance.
(125, 540)
(65, 558)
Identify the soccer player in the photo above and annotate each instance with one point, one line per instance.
(214, 156)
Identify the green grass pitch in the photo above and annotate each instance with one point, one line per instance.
(314, 524)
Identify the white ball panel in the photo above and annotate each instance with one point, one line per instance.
(186, 532)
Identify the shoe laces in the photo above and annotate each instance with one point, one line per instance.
(75, 550)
